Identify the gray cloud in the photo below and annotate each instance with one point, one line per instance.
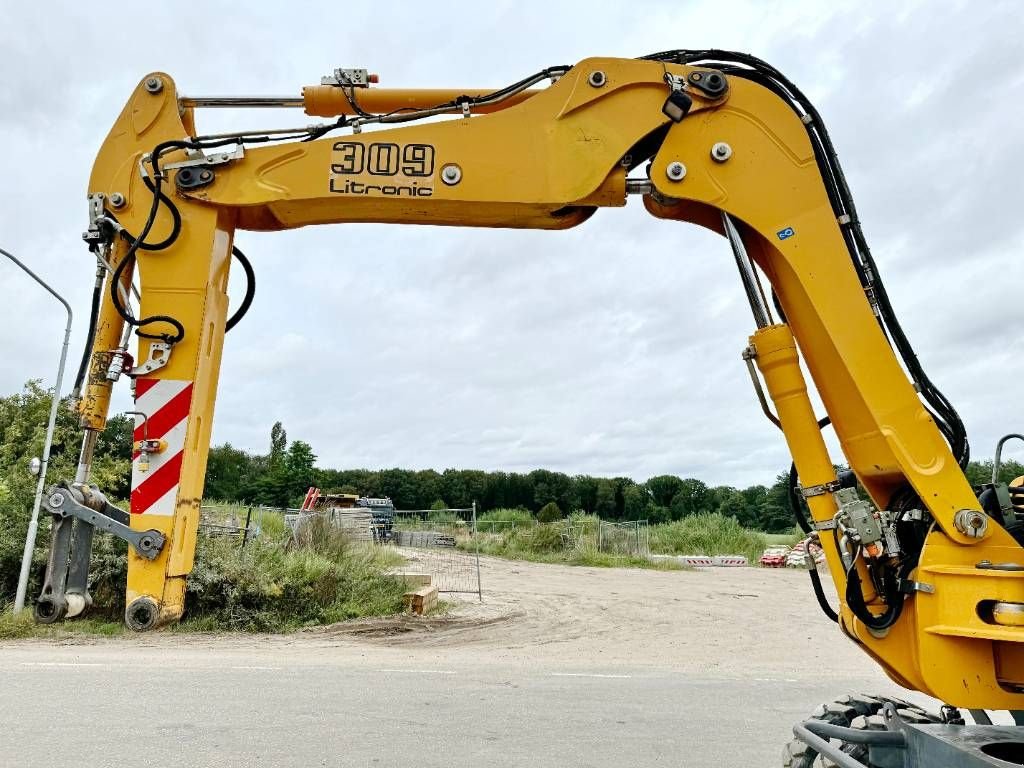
(610, 349)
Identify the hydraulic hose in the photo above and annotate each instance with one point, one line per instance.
(250, 288)
(94, 313)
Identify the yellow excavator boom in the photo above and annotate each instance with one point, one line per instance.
(718, 140)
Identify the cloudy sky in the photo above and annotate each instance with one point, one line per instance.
(610, 349)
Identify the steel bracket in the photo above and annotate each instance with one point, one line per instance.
(62, 502)
(159, 356)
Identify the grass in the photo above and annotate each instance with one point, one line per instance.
(278, 583)
(707, 534)
(547, 543)
(703, 534)
(15, 626)
(789, 538)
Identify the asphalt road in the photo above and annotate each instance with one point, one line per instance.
(108, 705)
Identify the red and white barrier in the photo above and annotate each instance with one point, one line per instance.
(697, 561)
(730, 561)
(166, 403)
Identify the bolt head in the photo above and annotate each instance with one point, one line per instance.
(597, 79)
(117, 199)
(675, 171)
(971, 522)
(720, 152)
(154, 85)
(451, 174)
(55, 500)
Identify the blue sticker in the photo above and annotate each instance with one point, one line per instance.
(785, 234)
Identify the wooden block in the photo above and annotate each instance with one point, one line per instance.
(414, 580)
(421, 600)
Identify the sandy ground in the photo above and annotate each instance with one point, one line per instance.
(734, 621)
(558, 667)
(737, 622)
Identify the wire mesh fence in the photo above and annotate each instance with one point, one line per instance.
(442, 543)
(624, 538)
(574, 533)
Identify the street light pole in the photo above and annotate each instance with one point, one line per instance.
(33, 525)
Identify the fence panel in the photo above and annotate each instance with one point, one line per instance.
(442, 543)
(628, 538)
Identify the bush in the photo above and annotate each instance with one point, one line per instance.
(445, 517)
(587, 524)
(517, 516)
(707, 533)
(438, 505)
(549, 513)
(546, 537)
(275, 584)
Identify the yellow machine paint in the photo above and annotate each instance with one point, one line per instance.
(547, 159)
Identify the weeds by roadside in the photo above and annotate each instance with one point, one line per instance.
(277, 583)
(707, 534)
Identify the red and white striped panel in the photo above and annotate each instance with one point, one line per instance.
(166, 404)
(699, 561)
(730, 561)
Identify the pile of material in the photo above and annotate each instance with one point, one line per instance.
(797, 557)
(774, 557)
(790, 557)
(422, 595)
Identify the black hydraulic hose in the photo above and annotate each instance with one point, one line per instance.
(94, 313)
(754, 69)
(855, 599)
(794, 500)
(819, 592)
(250, 288)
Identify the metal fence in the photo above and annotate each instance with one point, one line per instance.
(442, 543)
(629, 538)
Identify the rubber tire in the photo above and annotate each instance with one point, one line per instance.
(855, 711)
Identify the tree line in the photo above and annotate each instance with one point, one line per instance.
(281, 476)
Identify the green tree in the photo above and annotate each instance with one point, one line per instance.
(278, 445)
(439, 505)
(692, 497)
(636, 502)
(299, 469)
(549, 513)
(664, 488)
(604, 505)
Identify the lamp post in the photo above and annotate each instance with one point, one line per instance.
(33, 525)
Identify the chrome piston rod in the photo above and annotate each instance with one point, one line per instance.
(747, 276)
(259, 102)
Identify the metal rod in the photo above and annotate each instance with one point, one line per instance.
(33, 525)
(145, 422)
(247, 134)
(825, 748)
(259, 102)
(748, 357)
(479, 584)
(85, 455)
(999, 455)
(746, 276)
(245, 532)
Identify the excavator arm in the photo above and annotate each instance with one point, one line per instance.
(717, 139)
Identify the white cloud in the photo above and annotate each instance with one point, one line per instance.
(612, 348)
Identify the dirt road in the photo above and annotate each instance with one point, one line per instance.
(744, 621)
(559, 666)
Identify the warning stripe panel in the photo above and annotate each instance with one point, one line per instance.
(166, 403)
(157, 483)
(142, 386)
(164, 420)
